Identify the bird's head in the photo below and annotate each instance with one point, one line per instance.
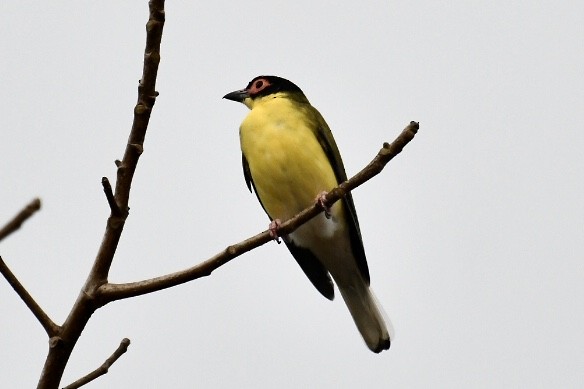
(265, 86)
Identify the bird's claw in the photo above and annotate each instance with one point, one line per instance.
(273, 229)
(321, 201)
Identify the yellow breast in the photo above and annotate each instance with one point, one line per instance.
(287, 164)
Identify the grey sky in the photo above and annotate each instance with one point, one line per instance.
(474, 234)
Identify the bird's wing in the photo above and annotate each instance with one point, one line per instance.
(327, 142)
(314, 270)
(247, 176)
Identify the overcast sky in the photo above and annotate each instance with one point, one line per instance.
(474, 234)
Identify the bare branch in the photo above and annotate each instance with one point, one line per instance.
(61, 346)
(20, 218)
(111, 292)
(135, 146)
(50, 327)
(103, 369)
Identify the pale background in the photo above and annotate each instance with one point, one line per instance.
(474, 234)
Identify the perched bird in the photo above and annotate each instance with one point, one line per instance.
(290, 158)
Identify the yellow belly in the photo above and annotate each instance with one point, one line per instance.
(287, 164)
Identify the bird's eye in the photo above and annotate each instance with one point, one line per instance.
(257, 86)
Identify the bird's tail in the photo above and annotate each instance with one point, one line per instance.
(368, 316)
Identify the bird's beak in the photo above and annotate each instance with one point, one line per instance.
(238, 95)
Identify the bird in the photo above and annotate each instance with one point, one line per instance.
(290, 160)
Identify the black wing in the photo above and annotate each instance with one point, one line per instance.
(327, 142)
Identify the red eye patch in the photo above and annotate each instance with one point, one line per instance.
(257, 86)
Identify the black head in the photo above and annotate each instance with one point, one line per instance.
(263, 86)
(266, 85)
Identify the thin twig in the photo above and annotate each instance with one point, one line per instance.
(20, 218)
(50, 327)
(109, 195)
(103, 369)
(111, 292)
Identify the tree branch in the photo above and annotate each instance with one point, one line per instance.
(146, 98)
(20, 218)
(61, 345)
(111, 292)
(103, 369)
(50, 327)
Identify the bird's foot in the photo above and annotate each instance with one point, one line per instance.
(273, 229)
(321, 201)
